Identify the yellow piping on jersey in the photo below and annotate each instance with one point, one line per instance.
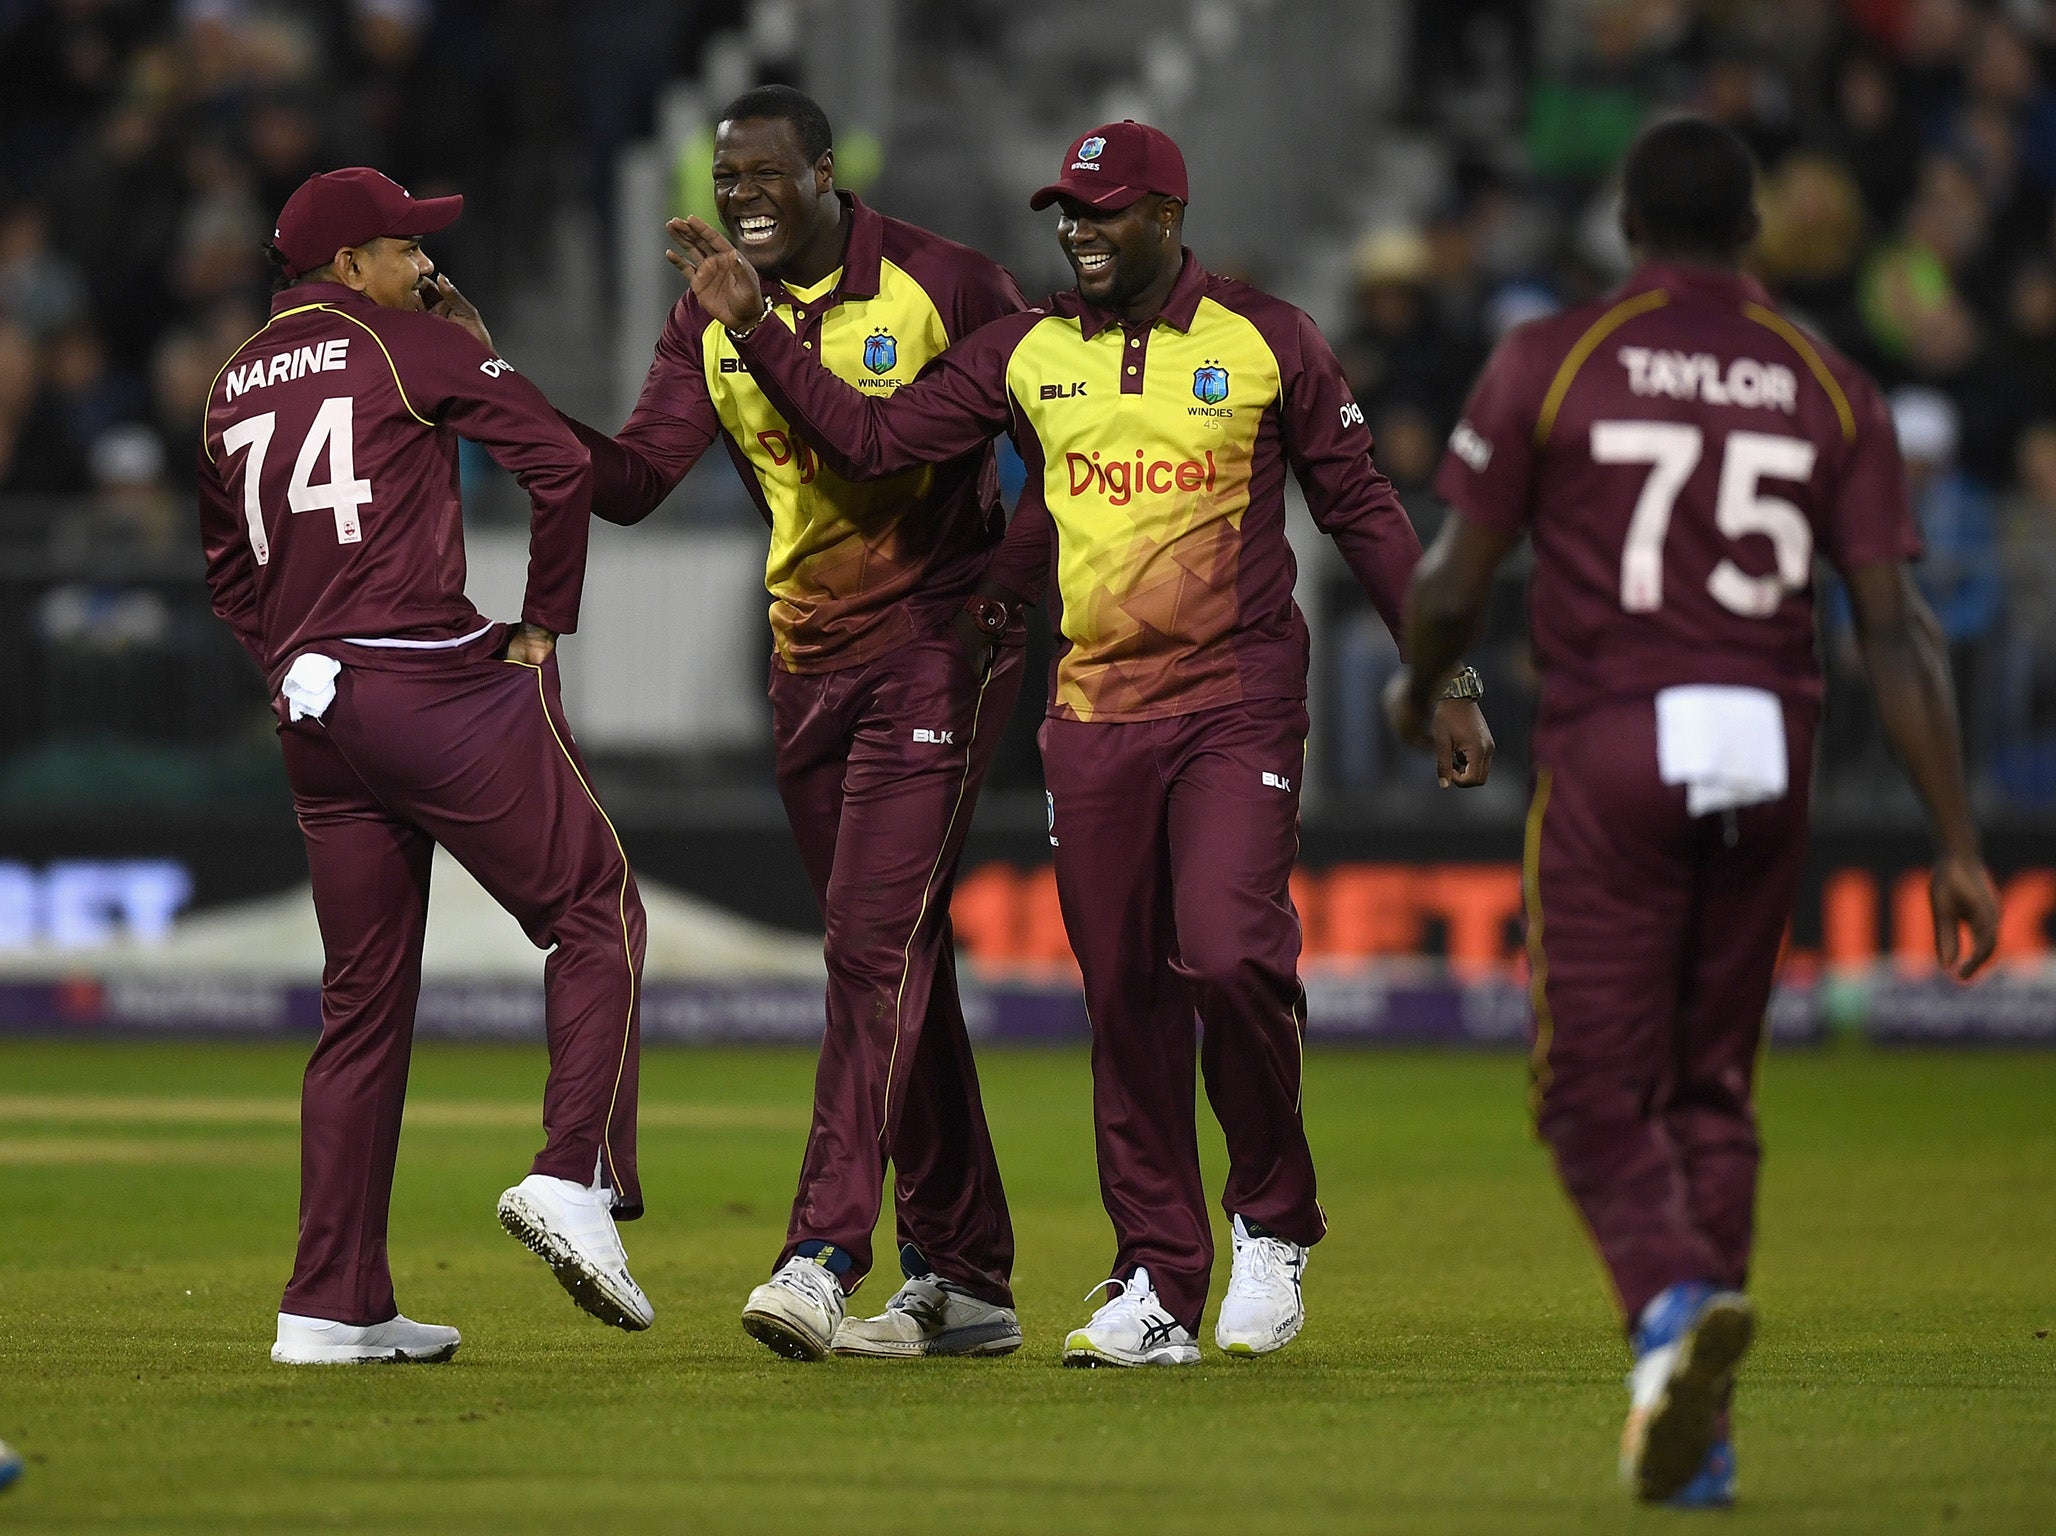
(267, 325)
(1538, 960)
(367, 330)
(1587, 344)
(1796, 340)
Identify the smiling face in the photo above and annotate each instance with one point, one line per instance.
(773, 202)
(1121, 256)
(392, 272)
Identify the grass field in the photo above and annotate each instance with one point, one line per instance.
(1460, 1372)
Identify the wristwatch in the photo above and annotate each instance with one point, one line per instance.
(992, 615)
(1465, 685)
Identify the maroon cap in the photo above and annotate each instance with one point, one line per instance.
(353, 207)
(1112, 166)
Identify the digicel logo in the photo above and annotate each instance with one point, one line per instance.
(1119, 480)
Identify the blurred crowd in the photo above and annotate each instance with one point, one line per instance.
(145, 146)
(1908, 150)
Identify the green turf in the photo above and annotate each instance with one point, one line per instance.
(1460, 1372)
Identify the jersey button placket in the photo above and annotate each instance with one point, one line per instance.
(1136, 355)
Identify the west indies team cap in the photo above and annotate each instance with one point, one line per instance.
(1112, 166)
(353, 207)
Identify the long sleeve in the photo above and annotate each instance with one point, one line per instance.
(1350, 498)
(231, 563)
(957, 403)
(671, 426)
(460, 385)
(1021, 565)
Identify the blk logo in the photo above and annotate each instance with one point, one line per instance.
(1069, 391)
(925, 737)
(1277, 781)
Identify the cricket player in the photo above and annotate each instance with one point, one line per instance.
(883, 734)
(1158, 408)
(334, 540)
(1679, 453)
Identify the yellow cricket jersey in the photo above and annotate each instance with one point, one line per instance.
(855, 566)
(1157, 456)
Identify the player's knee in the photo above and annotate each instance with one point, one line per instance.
(865, 952)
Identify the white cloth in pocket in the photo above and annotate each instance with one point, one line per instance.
(310, 686)
(1726, 745)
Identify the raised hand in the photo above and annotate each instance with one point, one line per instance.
(725, 284)
(458, 310)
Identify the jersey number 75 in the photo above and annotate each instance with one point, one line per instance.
(1672, 450)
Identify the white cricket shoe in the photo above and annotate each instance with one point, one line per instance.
(10, 1464)
(397, 1341)
(797, 1311)
(1263, 1309)
(1131, 1329)
(930, 1316)
(571, 1228)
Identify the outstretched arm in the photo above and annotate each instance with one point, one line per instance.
(1909, 675)
(959, 402)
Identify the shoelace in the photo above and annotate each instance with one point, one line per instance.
(1134, 1291)
(810, 1280)
(1269, 1261)
(923, 1307)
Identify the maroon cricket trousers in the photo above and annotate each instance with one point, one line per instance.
(461, 748)
(1654, 936)
(879, 766)
(1175, 840)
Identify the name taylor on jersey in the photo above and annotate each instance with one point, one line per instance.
(1700, 376)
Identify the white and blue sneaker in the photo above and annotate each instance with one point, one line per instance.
(1713, 1485)
(1688, 1343)
(1131, 1329)
(797, 1311)
(10, 1464)
(1264, 1309)
(930, 1316)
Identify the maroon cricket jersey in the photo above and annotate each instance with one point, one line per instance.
(1157, 456)
(329, 501)
(1679, 452)
(855, 568)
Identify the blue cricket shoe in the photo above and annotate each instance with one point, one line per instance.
(1713, 1485)
(1687, 1345)
(10, 1464)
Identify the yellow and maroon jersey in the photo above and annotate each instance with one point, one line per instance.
(854, 567)
(1679, 451)
(1156, 457)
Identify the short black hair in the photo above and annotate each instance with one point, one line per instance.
(1691, 185)
(787, 105)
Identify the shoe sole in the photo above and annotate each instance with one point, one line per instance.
(1090, 1357)
(1680, 1427)
(585, 1285)
(783, 1338)
(981, 1341)
(346, 1355)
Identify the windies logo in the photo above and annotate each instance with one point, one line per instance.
(1210, 383)
(1092, 149)
(880, 352)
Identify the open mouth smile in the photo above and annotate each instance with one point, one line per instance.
(756, 229)
(1091, 263)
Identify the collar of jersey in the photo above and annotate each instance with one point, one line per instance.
(862, 258)
(1691, 280)
(1178, 312)
(307, 295)
(813, 292)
